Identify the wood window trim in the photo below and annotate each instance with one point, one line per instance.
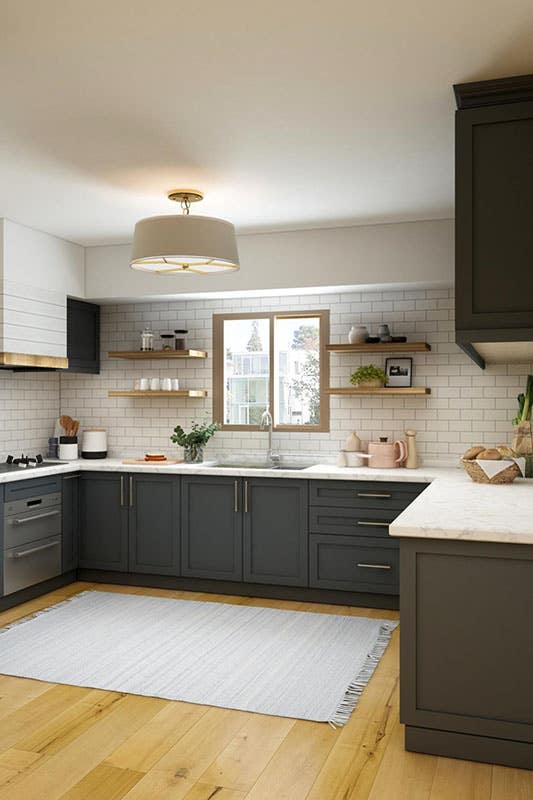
(218, 368)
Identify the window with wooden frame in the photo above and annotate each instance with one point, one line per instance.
(274, 361)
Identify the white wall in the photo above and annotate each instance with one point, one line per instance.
(38, 271)
(409, 253)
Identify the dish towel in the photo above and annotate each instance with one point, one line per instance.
(493, 468)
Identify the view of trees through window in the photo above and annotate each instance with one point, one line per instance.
(291, 368)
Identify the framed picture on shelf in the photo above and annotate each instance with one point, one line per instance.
(399, 372)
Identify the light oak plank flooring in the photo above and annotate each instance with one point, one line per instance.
(73, 743)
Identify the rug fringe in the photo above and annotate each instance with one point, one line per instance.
(357, 686)
(41, 611)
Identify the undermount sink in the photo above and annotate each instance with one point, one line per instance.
(259, 465)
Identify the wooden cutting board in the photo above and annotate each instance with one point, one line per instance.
(152, 463)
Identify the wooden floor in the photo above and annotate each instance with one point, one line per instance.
(69, 743)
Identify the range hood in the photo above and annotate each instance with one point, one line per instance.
(493, 213)
(33, 312)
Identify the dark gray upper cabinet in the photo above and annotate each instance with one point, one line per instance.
(71, 522)
(494, 235)
(153, 507)
(275, 531)
(83, 336)
(211, 527)
(103, 521)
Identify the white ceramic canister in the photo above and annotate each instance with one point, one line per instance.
(94, 443)
(68, 448)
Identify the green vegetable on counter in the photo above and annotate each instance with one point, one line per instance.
(525, 403)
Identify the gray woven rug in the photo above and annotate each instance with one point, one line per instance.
(287, 663)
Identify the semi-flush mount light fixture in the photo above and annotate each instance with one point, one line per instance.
(183, 244)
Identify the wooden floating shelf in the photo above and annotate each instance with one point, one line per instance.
(380, 347)
(151, 354)
(158, 393)
(394, 390)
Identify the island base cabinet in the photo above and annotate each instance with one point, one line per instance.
(153, 510)
(275, 531)
(211, 528)
(103, 521)
(467, 649)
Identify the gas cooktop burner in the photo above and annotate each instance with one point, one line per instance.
(26, 462)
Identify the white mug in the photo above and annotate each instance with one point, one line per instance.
(175, 384)
(144, 384)
(166, 384)
(155, 384)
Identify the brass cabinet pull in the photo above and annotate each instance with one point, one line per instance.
(245, 497)
(236, 497)
(366, 523)
(375, 566)
(70, 477)
(131, 491)
(373, 494)
(122, 491)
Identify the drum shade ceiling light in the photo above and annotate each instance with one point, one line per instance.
(181, 244)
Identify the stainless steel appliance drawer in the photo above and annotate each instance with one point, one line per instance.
(25, 522)
(31, 563)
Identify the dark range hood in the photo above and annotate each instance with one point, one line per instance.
(494, 220)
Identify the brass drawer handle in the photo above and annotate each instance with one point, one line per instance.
(245, 497)
(236, 497)
(374, 494)
(375, 566)
(122, 491)
(131, 491)
(370, 524)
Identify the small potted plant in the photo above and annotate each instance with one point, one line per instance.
(368, 377)
(194, 441)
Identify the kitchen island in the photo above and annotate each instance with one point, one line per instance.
(466, 599)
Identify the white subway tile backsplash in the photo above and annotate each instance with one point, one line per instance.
(466, 404)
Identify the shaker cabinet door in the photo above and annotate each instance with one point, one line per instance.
(211, 527)
(104, 521)
(153, 508)
(275, 531)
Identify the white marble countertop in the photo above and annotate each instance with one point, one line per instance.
(452, 507)
(462, 509)
(317, 471)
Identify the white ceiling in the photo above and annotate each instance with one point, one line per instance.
(287, 114)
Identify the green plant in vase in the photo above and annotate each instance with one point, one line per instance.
(368, 377)
(194, 441)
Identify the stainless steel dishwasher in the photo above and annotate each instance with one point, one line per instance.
(32, 541)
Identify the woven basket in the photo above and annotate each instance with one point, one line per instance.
(478, 475)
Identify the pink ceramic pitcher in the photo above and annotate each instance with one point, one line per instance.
(387, 455)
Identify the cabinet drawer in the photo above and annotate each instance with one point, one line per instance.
(31, 564)
(364, 494)
(351, 521)
(353, 564)
(31, 487)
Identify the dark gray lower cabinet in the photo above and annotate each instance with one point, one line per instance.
(211, 527)
(467, 650)
(354, 563)
(275, 531)
(71, 522)
(104, 521)
(154, 542)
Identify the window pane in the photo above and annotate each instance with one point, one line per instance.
(246, 370)
(297, 371)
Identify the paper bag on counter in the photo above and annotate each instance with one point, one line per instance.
(523, 439)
